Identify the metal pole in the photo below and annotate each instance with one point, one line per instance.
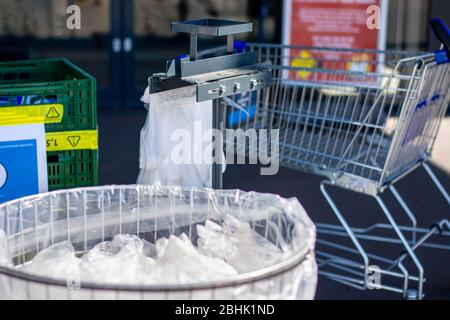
(193, 47)
(217, 181)
(230, 43)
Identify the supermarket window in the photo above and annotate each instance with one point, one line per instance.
(408, 24)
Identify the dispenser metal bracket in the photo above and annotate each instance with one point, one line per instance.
(215, 77)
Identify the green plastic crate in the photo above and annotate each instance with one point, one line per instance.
(57, 81)
(72, 168)
(53, 81)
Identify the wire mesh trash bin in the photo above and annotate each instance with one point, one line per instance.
(363, 119)
(88, 216)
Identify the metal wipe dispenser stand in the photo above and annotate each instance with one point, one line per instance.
(215, 78)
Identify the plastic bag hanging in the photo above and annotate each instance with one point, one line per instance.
(174, 139)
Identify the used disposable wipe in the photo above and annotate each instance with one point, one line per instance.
(237, 244)
(121, 260)
(180, 262)
(124, 261)
(175, 142)
(57, 261)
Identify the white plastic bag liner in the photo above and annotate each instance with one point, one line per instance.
(176, 123)
(89, 216)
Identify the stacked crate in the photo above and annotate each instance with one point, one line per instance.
(62, 96)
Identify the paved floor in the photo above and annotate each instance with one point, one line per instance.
(119, 148)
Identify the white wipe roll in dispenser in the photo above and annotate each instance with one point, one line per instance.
(174, 139)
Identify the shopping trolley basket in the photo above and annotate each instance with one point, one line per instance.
(363, 119)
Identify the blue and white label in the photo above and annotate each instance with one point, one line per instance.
(23, 161)
(18, 169)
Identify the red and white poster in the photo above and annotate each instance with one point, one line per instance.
(332, 24)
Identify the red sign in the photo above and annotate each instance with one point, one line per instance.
(331, 24)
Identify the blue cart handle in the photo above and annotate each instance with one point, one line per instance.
(441, 32)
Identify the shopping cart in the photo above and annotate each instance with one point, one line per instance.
(363, 119)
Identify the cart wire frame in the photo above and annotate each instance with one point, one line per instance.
(363, 119)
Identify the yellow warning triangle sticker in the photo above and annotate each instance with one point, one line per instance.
(52, 113)
(73, 140)
(28, 114)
